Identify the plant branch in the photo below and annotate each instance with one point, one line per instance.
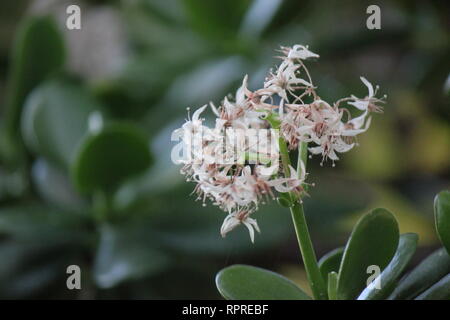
(315, 279)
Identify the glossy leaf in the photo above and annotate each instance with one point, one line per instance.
(126, 252)
(215, 19)
(442, 217)
(439, 291)
(259, 16)
(330, 262)
(55, 119)
(373, 242)
(30, 268)
(37, 54)
(186, 226)
(406, 248)
(54, 186)
(109, 157)
(427, 273)
(242, 282)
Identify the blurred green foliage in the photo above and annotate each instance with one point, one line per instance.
(135, 230)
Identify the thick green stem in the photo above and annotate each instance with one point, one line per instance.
(315, 279)
(332, 285)
(102, 206)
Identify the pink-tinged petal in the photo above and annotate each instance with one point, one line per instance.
(316, 150)
(368, 85)
(254, 223)
(198, 112)
(267, 171)
(293, 172)
(358, 122)
(250, 224)
(300, 81)
(302, 173)
(332, 155)
(281, 188)
(343, 147)
(301, 52)
(214, 109)
(354, 132)
(278, 184)
(360, 104)
(229, 223)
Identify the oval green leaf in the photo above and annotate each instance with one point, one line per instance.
(42, 224)
(55, 187)
(38, 53)
(439, 291)
(55, 119)
(330, 262)
(442, 217)
(106, 159)
(373, 242)
(427, 273)
(406, 248)
(125, 253)
(242, 282)
(215, 19)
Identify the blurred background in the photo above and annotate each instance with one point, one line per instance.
(87, 115)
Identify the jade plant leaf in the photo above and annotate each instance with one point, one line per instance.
(330, 262)
(55, 118)
(55, 188)
(107, 158)
(442, 217)
(126, 252)
(37, 54)
(44, 224)
(32, 267)
(216, 18)
(373, 242)
(439, 291)
(427, 273)
(406, 248)
(242, 282)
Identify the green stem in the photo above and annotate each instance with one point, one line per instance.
(284, 157)
(315, 279)
(332, 285)
(102, 206)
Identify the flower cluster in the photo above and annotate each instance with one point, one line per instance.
(237, 172)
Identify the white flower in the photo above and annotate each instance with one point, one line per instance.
(329, 146)
(292, 183)
(295, 126)
(299, 52)
(356, 125)
(368, 103)
(284, 80)
(196, 123)
(237, 174)
(237, 218)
